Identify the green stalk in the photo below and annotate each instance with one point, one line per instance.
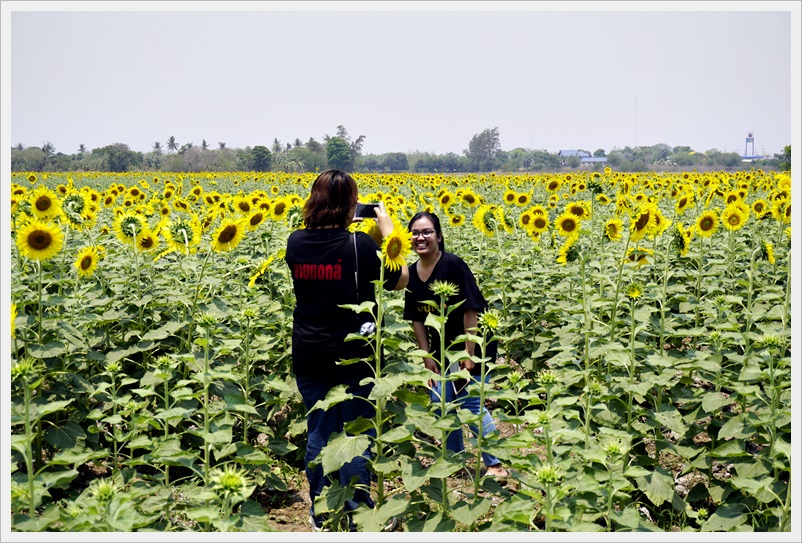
(195, 299)
(29, 448)
(613, 313)
(480, 432)
(749, 294)
(663, 299)
(378, 351)
(630, 393)
(443, 405)
(39, 305)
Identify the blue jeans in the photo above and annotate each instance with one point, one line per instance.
(471, 403)
(322, 424)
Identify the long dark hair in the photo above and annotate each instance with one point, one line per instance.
(435, 221)
(333, 196)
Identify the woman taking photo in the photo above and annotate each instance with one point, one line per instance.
(331, 267)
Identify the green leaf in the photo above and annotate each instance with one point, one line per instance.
(165, 331)
(336, 395)
(737, 427)
(467, 513)
(671, 419)
(65, 437)
(340, 450)
(413, 474)
(725, 518)
(658, 486)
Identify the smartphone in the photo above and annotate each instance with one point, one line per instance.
(365, 211)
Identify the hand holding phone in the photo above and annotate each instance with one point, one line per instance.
(365, 211)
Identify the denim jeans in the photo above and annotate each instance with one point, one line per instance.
(471, 403)
(322, 424)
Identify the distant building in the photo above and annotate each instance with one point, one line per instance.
(584, 157)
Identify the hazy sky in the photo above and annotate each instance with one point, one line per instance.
(548, 75)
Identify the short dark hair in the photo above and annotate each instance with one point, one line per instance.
(435, 221)
(334, 194)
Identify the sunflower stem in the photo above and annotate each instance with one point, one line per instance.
(613, 313)
(39, 305)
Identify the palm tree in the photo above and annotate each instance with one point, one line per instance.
(172, 145)
(81, 148)
(276, 145)
(48, 148)
(221, 144)
(204, 145)
(157, 148)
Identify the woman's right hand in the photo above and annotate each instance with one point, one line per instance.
(384, 221)
(431, 365)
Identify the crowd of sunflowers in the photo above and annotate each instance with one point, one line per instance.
(68, 226)
(160, 216)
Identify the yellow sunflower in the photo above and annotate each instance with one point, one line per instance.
(684, 202)
(129, 226)
(256, 218)
(182, 234)
(553, 185)
(484, 220)
(510, 197)
(613, 229)
(280, 207)
(523, 199)
(579, 209)
(644, 223)
(86, 261)
(39, 240)
(638, 256)
(395, 248)
(682, 239)
(242, 204)
(457, 220)
(229, 234)
(147, 241)
(759, 208)
(470, 199)
(707, 223)
(525, 220)
(45, 203)
(540, 224)
(733, 218)
(568, 252)
(567, 225)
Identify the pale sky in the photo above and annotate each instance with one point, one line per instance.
(549, 75)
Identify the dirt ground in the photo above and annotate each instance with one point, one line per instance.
(289, 512)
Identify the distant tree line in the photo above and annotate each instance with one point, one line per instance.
(484, 154)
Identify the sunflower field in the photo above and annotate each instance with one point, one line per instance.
(644, 323)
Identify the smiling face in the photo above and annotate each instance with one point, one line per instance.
(424, 245)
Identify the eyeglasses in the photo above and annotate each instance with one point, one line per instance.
(425, 233)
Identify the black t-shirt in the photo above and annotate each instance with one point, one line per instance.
(322, 263)
(453, 269)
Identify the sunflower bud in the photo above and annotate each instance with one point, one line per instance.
(547, 474)
(444, 288)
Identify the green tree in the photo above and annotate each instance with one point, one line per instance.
(276, 145)
(157, 148)
(599, 153)
(729, 160)
(785, 159)
(482, 150)
(395, 162)
(172, 145)
(338, 154)
(118, 157)
(261, 159)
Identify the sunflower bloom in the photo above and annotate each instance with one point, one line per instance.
(644, 223)
(147, 241)
(395, 248)
(567, 225)
(87, 260)
(183, 234)
(634, 291)
(540, 224)
(638, 256)
(457, 220)
(260, 271)
(613, 229)
(707, 223)
(280, 208)
(228, 235)
(44, 203)
(733, 218)
(568, 252)
(129, 226)
(40, 240)
(681, 239)
(767, 251)
(485, 221)
(13, 317)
